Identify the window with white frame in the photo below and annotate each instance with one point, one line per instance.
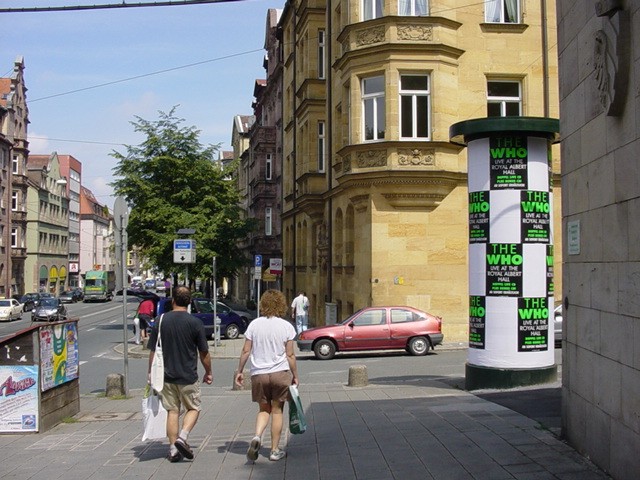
(15, 165)
(321, 54)
(268, 170)
(322, 147)
(268, 220)
(371, 9)
(412, 8)
(14, 201)
(502, 11)
(415, 102)
(504, 98)
(373, 108)
(14, 238)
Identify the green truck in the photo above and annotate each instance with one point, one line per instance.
(99, 285)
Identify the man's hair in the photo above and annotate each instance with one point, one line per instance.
(182, 296)
(273, 304)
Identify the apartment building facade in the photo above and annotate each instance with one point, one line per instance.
(375, 203)
(96, 231)
(71, 170)
(46, 265)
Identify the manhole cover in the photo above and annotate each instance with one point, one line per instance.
(105, 417)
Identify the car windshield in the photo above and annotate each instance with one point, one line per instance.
(48, 302)
(5, 303)
(204, 306)
(349, 318)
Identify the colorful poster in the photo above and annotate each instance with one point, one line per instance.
(508, 162)
(535, 216)
(550, 285)
(19, 398)
(533, 324)
(479, 207)
(477, 321)
(504, 269)
(58, 354)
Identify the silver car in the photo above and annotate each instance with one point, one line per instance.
(49, 309)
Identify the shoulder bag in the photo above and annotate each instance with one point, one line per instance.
(157, 366)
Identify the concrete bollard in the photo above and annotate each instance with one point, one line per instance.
(115, 385)
(246, 382)
(358, 376)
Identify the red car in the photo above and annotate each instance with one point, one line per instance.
(375, 328)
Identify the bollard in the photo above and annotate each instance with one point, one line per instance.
(115, 385)
(246, 382)
(358, 376)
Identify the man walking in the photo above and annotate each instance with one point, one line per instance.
(300, 312)
(183, 338)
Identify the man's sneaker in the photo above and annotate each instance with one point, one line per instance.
(277, 455)
(254, 448)
(174, 458)
(184, 448)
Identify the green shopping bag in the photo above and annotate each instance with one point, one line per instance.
(297, 422)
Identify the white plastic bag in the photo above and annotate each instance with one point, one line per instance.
(154, 416)
(157, 366)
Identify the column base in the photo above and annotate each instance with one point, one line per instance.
(477, 377)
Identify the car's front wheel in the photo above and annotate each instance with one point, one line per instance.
(232, 332)
(324, 349)
(418, 346)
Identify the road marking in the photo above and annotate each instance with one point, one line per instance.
(88, 330)
(103, 311)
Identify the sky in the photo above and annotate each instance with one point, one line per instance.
(80, 69)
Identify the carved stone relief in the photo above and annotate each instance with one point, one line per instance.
(372, 158)
(611, 56)
(370, 36)
(412, 157)
(415, 32)
(346, 164)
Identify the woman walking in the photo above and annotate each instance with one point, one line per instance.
(269, 345)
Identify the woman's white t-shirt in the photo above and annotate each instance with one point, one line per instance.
(269, 336)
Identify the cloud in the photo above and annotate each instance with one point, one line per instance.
(39, 143)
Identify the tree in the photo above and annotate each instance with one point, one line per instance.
(171, 181)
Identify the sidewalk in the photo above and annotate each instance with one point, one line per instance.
(428, 430)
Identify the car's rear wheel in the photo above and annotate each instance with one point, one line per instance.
(418, 346)
(324, 349)
(232, 331)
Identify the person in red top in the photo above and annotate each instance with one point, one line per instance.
(145, 314)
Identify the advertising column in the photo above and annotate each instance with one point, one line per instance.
(511, 338)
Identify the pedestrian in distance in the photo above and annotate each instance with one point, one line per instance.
(269, 346)
(183, 339)
(142, 320)
(167, 287)
(300, 312)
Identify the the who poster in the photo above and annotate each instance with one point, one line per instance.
(59, 354)
(19, 398)
(510, 251)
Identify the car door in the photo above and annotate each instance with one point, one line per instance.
(368, 331)
(202, 308)
(402, 326)
(16, 308)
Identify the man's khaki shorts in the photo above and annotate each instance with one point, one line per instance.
(174, 396)
(268, 387)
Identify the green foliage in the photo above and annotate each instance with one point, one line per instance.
(171, 181)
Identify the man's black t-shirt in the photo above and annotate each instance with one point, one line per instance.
(182, 336)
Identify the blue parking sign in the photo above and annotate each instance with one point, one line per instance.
(257, 261)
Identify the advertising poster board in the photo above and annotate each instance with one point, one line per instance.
(59, 354)
(19, 398)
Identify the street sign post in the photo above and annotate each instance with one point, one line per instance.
(184, 251)
(257, 264)
(121, 220)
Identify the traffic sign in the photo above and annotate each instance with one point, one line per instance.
(184, 251)
(275, 266)
(257, 261)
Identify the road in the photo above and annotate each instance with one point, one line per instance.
(100, 330)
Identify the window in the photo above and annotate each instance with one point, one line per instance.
(14, 201)
(267, 220)
(371, 317)
(14, 238)
(373, 106)
(502, 11)
(371, 9)
(504, 98)
(321, 147)
(321, 54)
(15, 165)
(412, 8)
(268, 171)
(414, 106)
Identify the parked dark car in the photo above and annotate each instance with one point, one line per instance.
(68, 296)
(49, 309)
(375, 328)
(231, 324)
(29, 301)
